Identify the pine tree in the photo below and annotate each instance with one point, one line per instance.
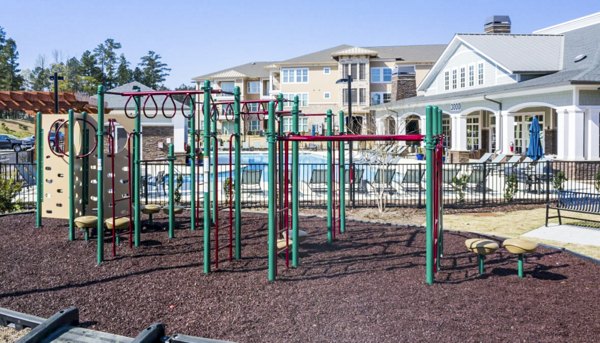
(90, 75)
(154, 72)
(124, 74)
(106, 55)
(10, 77)
(40, 75)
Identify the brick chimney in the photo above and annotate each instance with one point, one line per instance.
(497, 24)
(404, 85)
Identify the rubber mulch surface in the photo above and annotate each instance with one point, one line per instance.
(366, 287)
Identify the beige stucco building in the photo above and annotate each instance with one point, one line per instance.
(379, 75)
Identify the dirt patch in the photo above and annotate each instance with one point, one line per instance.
(368, 286)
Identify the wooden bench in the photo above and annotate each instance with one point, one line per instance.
(571, 201)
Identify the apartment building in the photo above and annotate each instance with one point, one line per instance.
(379, 75)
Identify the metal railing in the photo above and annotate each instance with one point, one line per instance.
(392, 184)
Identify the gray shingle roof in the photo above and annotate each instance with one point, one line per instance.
(318, 56)
(252, 70)
(519, 53)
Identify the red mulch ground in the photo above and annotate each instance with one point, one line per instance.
(367, 287)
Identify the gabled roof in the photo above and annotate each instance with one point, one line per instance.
(512, 52)
(250, 70)
(518, 53)
(355, 51)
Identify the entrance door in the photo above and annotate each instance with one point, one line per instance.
(485, 140)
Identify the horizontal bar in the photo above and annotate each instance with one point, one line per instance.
(353, 138)
(19, 319)
(146, 93)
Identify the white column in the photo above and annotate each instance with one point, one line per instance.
(423, 127)
(508, 131)
(592, 134)
(380, 125)
(179, 132)
(498, 129)
(459, 132)
(570, 133)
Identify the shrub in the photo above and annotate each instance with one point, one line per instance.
(177, 191)
(227, 187)
(511, 185)
(597, 181)
(459, 183)
(558, 181)
(9, 188)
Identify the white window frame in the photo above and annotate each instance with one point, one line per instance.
(294, 75)
(327, 95)
(382, 96)
(454, 78)
(471, 75)
(254, 125)
(302, 99)
(473, 133)
(447, 80)
(327, 70)
(381, 78)
(252, 91)
(227, 90)
(463, 77)
(302, 124)
(480, 73)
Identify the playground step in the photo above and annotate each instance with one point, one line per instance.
(78, 334)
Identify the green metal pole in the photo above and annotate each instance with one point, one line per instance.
(171, 192)
(71, 135)
(520, 265)
(329, 179)
(137, 147)
(342, 176)
(295, 186)
(192, 156)
(206, 173)
(237, 182)
(481, 264)
(100, 177)
(39, 163)
(429, 146)
(271, 142)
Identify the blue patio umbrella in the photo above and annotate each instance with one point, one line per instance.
(535, 150)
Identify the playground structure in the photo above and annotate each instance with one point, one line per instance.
(124, 174)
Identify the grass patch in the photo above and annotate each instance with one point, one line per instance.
(19, 128)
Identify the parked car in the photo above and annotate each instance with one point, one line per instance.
(52, 137)
(28, 142)
(10, 142)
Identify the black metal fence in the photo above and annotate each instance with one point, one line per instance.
(391, 185)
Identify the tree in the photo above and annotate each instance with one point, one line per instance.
(154, 72)
(39, 79)
(124, 74)
(10, 77)
(90, 75)
(106, 55)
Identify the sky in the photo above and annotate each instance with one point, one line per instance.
(196, 37)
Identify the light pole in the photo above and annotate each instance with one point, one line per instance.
(56, 78)
(349, 127)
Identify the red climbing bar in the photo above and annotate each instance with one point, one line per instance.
(184, 92)
(353, 138)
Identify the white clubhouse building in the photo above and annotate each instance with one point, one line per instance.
(490, 85)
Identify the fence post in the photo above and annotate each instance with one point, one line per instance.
(547, 182)
(420, 202)
(146, 182)
(484, 182)
(39, 151)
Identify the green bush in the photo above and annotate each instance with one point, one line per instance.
(227, 187)
(459, 183)
(597, 181)
(177, 191)
(511, 185)
(9, 188)
(558, 181)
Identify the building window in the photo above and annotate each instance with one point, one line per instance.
(302, 124)
(380, 98)
(446, 131)
(254, 126)
(446, 80)
(302, 98)
(254, 87)
(462, 77)
(326, 70)
(381, 75)
(454, 72)
(362, 96)
(253, 107)
(471, 75)
(406, 70)
(266, 87)
(480, 74)
(472, 133)
(522, 123)
(357, 70)
(227, 86)
(294, 75)
(327, 95)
